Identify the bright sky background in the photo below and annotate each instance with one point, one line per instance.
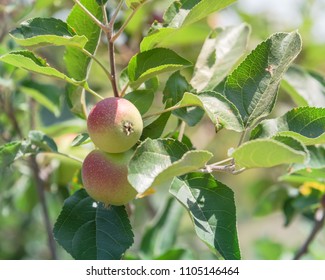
(284, 13)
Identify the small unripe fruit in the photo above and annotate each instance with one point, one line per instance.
(114, 125)
(104, 177)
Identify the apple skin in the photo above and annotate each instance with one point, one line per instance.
(105, 177)
(114, 125)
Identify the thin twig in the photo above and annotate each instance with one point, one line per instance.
(105, 14)
(230, 168)
(114, 16)
(319, 223)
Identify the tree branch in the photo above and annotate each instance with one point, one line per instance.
(319, 223)
(41, 195)
(40, 187)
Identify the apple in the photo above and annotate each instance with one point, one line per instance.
(114, 125)
(104, 177)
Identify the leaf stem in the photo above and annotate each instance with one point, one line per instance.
(220, 162)
(124, 89)
(69, 157)
(122, 28)
(91, 16)
(98, 62)
(242, 138)
(181, 131)
(175, 107)
(87, 88)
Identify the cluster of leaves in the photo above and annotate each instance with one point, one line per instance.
(236, 100)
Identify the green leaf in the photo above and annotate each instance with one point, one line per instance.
(156, 128)
(305, 175)
(37, 142)
(212, 209)
(221, 50)
(30, 62)
(179, 18)
(270, 201)
(76, 62)
(305, 123)
(8, 153)
(269, 152)
(268, 249)
(253, 86)
(80, 139)
(305, 88)
(161, 235)
(148, 64)
(45, 94)
(38, 32)
(174, 91)
(142, 99)
(316, 160)
(312, 170)
(89, 231)
(186, 12)
(172, 254)
(167, 37)
(156, 162)
(220, 110)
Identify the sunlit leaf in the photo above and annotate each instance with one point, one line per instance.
(307, 124)
(269, 152)
(220, 52)
(156, 162)
(253, 86)
(38, 32)
(305, 88)
(148, 64)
